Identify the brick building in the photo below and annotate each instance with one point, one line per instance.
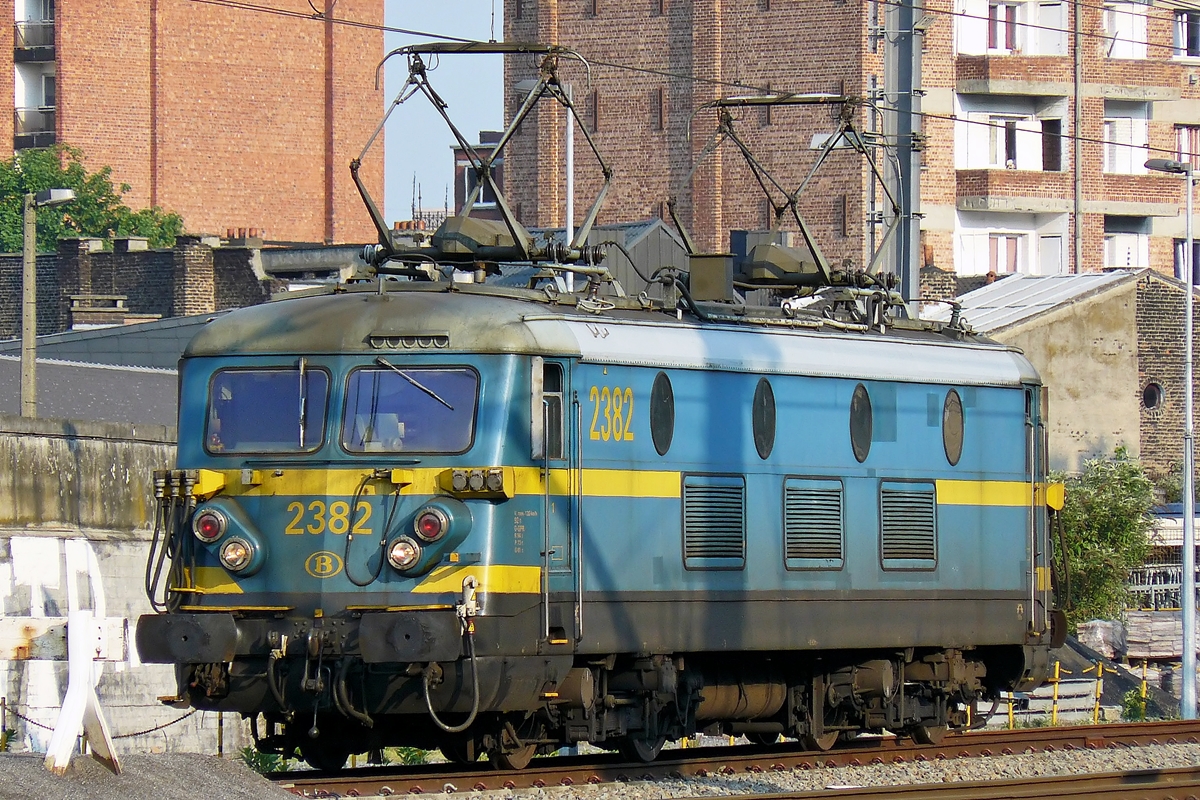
(231, 118)
(1012, 130)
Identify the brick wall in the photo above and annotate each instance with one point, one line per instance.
(814, 46)
(11, 283)
(191, 278)
(223, 115)
(1160, 307)
(708, 38)
(7, 88)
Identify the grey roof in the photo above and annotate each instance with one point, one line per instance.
(1013, 300)
(93, 392)
(634, 231)
(159, 343)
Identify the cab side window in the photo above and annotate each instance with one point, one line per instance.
(552, 396)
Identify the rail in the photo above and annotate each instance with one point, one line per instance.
(704, 761)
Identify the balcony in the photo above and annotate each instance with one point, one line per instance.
(1024, 191)
(1013, 74)
(34, 41)
(33, 127)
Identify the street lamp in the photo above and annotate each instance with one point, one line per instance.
(1187, 599)
(43, 199)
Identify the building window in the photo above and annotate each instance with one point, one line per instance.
(1125, 24)
(594, 7)
(1188, 137)
(48, 91)
(1003, 143)
(1002, 27)
(1187, 34)
(1126, 242)
(767, 109)
(1126, 138)
(658, 109)
(47, 10)
(1005, 251)
(1180, 267)
(594, 110)
(1052, 145)
(487, 197)
(659, 7)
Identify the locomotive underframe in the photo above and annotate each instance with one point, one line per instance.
(354, 683)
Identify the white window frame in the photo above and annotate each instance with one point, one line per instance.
(1181, 44)
(1125, 25)
(1004, 27)
(48, 102)
(1126, 142)
(1187, 144)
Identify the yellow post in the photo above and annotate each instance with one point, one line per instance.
(1143, 683)
(1099, 691)
(1012, 701)
(1054, 701)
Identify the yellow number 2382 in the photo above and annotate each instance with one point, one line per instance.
(612, 410)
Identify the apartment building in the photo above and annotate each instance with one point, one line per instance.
(231, 117)
(1037, 124)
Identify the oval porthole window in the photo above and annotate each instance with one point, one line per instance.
(662, 413)
(952, 427)
(763, 418)
(860, 423)
(1152, 396)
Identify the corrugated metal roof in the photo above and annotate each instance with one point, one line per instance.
(146, 344)
(1017, 298)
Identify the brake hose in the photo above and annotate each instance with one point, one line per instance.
(468, 629)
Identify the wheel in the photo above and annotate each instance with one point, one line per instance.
(763, 739)
(641, 749)
(514, 759)
(822, 742)
(325, 756)
(928, 734)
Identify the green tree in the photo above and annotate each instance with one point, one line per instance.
(97, 210)
(1105, 521)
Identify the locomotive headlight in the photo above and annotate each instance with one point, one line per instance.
(476, 480)
(495, 480)
(431, 524)
(403, 553)
(209, 525)
(458, 480)
(236, 554)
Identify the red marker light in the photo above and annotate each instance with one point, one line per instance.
(208, 526)
(430, 525)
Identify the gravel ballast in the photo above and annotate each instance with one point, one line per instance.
(172, 776)
(985, 768)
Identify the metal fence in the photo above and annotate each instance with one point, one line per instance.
(34, 34)
(33, 120)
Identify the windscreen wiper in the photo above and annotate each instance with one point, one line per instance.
(380, 360)
(303, 400)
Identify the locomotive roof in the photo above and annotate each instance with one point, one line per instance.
(431, 318)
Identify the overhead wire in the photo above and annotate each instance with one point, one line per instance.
(767, 90)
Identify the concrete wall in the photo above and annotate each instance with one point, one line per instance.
(1087, 355)
(76, 515)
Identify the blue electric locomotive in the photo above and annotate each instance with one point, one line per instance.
(500, 519)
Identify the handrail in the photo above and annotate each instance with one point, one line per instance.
(546, 521)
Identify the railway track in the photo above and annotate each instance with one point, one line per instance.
(701, 762)
(1173, 784)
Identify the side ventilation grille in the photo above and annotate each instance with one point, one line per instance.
(714, 522)
(813, 526)
(908, 525)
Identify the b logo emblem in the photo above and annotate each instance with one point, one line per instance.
(323, 564)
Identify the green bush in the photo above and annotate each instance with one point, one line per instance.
(406, 755)
(1133, 706)
(263, 763)
(1105, 521)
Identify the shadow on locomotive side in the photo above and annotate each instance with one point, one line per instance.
(431, 509)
